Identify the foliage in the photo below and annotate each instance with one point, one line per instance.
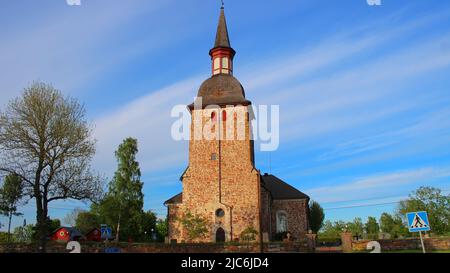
(122, 207)
(46, 141)
(86, 221)
(11, 194)
(24, 234)
(432, 201)
(147, 226)
(162, 229)
(332, 229)
(356, 227)
(4, 237)
(249, 234)
(195, 225)
(316, 216)
(372, 228)
(393, 225)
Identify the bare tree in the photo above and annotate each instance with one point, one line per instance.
(46, 141)
(71, 218)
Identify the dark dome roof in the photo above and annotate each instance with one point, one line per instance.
(222, 89)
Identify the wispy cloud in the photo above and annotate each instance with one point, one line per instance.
(70, 48)
(377, 184)
(147, 119)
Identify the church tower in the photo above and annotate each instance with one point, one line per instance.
(221, 183)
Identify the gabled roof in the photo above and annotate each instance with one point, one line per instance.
(92, 230)
(279, 189)
(175, 200)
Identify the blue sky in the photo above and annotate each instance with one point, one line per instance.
(363, 90)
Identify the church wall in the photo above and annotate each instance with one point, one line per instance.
(174, 213)
(265, 211)
(297, 216)
(237, 191)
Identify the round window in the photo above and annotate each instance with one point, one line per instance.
(220, 213)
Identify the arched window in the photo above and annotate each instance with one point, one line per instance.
(213, 116)
(224, 115)
(282, 225)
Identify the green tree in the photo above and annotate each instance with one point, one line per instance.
(432, 201)
(316, 216)
(86, 221)
(11, 194)
(372, 228)
(148, 226)
(122, 207)
(51, 225)
(356, 227)
(392, 225)
(195, 225)
(46, 141)
(162, 229)
(24, 234)
(332, 229)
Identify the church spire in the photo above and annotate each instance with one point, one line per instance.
(222, 54)
(222, 38)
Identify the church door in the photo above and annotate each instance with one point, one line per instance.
(220, 235)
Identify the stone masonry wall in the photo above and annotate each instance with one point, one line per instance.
(405, 244)
(237, 191)
(266, 203)
(297, 216)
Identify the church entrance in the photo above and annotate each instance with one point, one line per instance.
(220, 235)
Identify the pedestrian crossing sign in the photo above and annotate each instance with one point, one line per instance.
(418, 221)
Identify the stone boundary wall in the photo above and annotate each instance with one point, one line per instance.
(162, 248)
(405, 244)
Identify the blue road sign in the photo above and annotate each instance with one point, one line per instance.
(418, 221)
(105, 231)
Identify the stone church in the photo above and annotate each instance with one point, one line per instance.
(221, 184)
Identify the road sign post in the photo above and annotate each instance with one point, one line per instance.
(421, 241)
(418, 222)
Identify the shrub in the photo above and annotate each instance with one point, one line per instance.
(249, 234)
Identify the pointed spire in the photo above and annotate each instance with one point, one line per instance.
(222, 38)
(222, 54)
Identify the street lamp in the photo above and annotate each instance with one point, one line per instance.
(153, 235)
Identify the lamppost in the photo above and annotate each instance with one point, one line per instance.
(153, 235)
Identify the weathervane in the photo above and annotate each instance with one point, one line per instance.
(223, 4)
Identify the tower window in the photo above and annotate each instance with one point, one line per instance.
(214, 156)
(216, 66)
(225, 63)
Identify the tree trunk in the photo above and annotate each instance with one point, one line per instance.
(9, 227)
(41, 220)
(118, 229)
